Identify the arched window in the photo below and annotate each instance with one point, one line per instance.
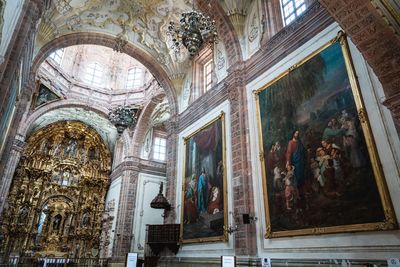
(57, 56)
(135, 78)
(291, 9)
(94, 73)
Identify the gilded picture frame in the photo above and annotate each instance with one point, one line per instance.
(204, 191)
(321, 171)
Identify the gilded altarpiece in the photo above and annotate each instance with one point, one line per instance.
(56, 200)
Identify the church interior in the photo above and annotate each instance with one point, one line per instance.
(199, 133)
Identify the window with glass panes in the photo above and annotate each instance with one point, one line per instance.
(292, 9)
(207, 76)
(159, 148)
(57, 56)
(135, 78)
(94, 74)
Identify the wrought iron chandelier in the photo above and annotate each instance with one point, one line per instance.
(123, 117)
(193, 31)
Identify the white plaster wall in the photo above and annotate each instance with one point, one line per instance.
(113, 193)
(147, 190)
(361, 245)
(214, 249)
(12, 13)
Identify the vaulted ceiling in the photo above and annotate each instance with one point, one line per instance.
(141, 22)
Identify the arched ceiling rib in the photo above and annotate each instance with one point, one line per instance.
(102, 125)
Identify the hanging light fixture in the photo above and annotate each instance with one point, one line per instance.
(193, 31)
(160, 202)
(123, 117)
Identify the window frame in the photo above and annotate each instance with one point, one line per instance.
(95, 80)
(157, 148)
(204, 58)
(298, 10)
(207, 75)
(57, 56)
(134, 78)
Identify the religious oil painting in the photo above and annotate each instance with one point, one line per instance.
(204, 184)
(321, 171)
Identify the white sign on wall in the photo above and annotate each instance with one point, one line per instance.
(228, 261)
(265, 262)
(131, 259)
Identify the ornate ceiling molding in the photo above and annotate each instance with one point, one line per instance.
(140, 22)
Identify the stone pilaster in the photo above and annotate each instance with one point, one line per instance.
(172, 144)
(242, 184)
(12, 162)
(127, 199)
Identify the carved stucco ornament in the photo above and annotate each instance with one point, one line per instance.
(254, 28)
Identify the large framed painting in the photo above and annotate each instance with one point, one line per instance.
(204, 200)
(321, 171)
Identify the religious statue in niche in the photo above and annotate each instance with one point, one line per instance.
(23, 215)
(55, 177)
(86, 220)
(66, 176)
(46, 146)
(93, 153)
(56, 150)
(57, 223)
(70, 148)
(83, 154)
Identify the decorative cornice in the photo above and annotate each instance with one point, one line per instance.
(139, 165)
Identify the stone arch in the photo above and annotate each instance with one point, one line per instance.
(225, 29)
(24, 129)
(130, 49)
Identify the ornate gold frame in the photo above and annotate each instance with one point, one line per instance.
(224, 237)
(390, 219)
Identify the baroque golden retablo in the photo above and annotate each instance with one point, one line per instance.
(57, 196)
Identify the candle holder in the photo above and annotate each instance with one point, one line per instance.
(230, 229)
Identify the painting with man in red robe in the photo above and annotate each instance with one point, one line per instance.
(318, 173)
